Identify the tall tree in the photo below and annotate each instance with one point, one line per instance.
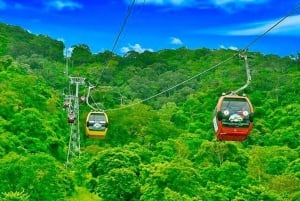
(81, 55)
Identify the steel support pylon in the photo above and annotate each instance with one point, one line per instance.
(74, 139)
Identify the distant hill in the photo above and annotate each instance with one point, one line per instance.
(21, 42)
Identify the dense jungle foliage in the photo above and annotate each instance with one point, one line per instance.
(159, 148)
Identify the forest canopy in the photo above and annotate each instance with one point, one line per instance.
(160, 143)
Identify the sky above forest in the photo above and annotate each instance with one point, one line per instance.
(124, 25)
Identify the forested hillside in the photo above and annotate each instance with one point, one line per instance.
(160, 144)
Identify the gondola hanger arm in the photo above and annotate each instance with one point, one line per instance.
(88, 95)
(244, 56)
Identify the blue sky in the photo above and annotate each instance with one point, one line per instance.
(160, 24)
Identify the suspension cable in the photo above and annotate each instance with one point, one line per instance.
(244, 50)
(88, 96)
(248, 75)
(254, 41)
(292, 11)
(177, 85)
(128, 13)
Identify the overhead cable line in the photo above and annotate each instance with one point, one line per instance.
(247, 73)
(177, 85)
(128, 13)
(219, 64)
(294, 10)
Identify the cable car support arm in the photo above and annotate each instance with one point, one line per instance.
(248, 75)
(88, 95)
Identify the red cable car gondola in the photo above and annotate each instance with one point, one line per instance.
(233, 118)
(96, 125)
(71, 117)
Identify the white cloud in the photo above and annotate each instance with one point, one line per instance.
(68, 51)
(137, 48)
(230, 47)
(238, 2)
(290, 26)
(233, 5)
(176, 41)
(228, 5)
(13, 5)
(54, 4)
(248, 29)
(60, 5)
(184, 3)
(233, 48)
(124, 50)
(61, 39)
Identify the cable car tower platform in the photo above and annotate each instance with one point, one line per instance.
(73, 119)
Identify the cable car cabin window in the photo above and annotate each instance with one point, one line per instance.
(97, 122)
(235, 112)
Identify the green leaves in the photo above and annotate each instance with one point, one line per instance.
(81, 54)
(118, 184)
(15, 196)
(164, 180)
(160, 146)
(38, 175)
(116, 173)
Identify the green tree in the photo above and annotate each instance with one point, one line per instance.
(114, 159)
(254, 193)
(38, 175)
(115, 173)
(176, 177)
(3, 45)
(119, 184)
(5, 62)
(28, 119)
(15, 196)
(128, 124)
(81, 55)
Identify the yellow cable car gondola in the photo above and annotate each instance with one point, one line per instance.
(96, 125)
